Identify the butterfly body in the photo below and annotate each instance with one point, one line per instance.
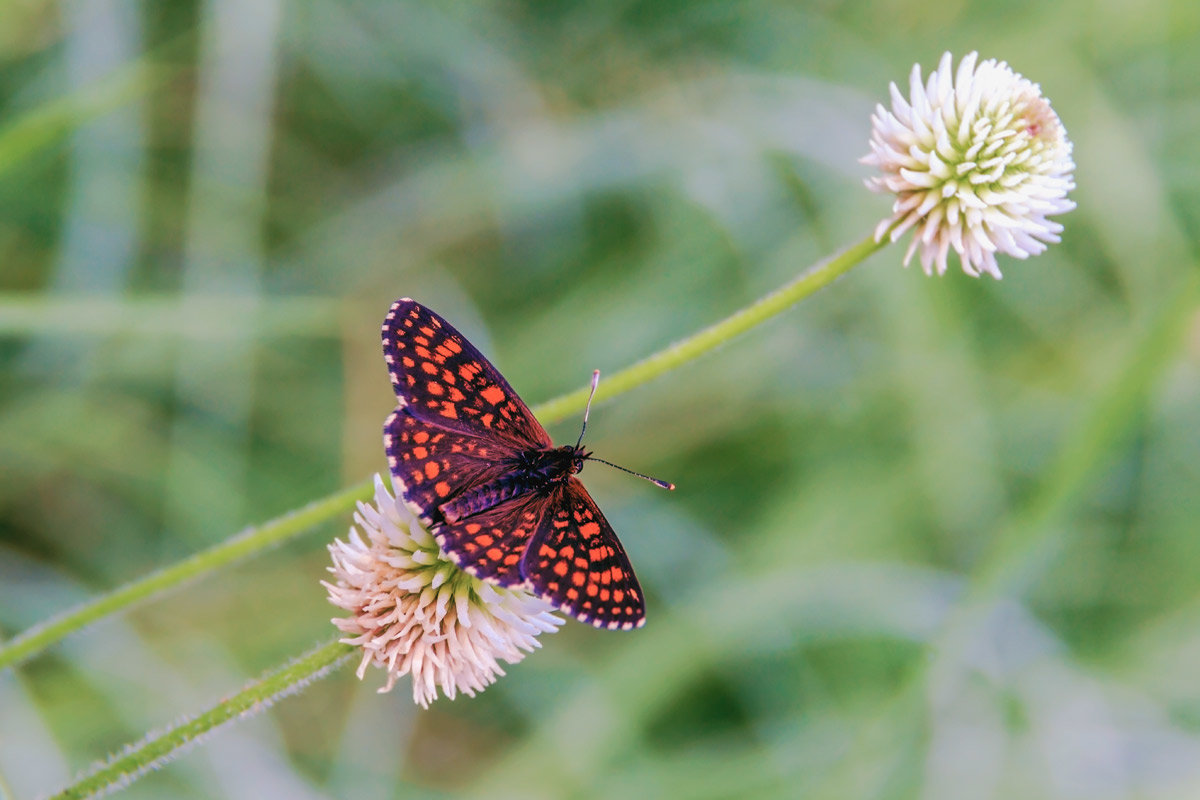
(535, 471)
(480, 471)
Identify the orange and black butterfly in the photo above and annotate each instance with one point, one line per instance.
(476, 466)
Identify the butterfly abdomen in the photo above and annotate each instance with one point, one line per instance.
(532, 471)
(489, 495)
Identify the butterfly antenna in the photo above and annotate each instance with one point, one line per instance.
(588, 409)
(655, 481)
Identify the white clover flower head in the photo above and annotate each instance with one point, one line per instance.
(978, 162)
(414, 611)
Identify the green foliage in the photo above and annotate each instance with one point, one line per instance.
(932, 538)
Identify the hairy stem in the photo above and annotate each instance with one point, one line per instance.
(710, 338)
(157, 749)
(248, 542)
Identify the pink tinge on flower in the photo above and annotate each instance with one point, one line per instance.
(978, 162)
(414, 612)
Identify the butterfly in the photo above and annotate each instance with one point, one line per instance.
(480, 471)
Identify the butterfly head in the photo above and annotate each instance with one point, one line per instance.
(566, 460)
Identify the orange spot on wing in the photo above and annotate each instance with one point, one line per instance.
(493, 394)
(420, 437)
(590, 529)
(448, 410)
(495, 554)
(442, 488)
(432, 469)
(560, 569)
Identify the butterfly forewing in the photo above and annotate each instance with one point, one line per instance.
(441, 378)
(576, 562)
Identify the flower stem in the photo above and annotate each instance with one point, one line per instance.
(282, 528)
(156, 750)
(246, 543)
(710, 338)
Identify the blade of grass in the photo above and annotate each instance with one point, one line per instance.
(23, 315)
(52, 121)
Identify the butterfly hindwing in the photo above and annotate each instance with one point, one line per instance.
(576, 562)
(441, 378)
(489, 545)
(435, 464)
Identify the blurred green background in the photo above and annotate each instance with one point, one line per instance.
(206, 209)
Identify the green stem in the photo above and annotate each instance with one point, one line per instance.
(255, 539)
(250, 541)
(710, 338)
(155, 750)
